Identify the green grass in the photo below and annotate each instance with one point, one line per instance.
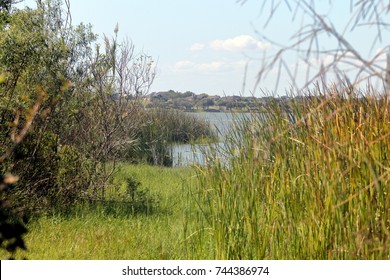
(101, 232)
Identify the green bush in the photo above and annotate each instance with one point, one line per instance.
(140, 199)
(71, 177)
(51, 175)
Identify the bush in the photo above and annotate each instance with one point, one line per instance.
(140, 199)
(51, 175)
(133, 199)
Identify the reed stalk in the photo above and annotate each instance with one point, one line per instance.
(307, 179)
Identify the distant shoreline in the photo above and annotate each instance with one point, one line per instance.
(191, 102)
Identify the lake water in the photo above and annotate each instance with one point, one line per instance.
(185, 154)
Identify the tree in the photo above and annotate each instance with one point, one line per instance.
(117, 78)
(6, 5)
(67, 110)
(206, 103)
(39, 55)
(12, 223)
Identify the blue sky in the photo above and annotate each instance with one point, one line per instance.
(178, 35)
(206, 45)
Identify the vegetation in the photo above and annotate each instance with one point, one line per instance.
(70, 110)
(190, 102)
(303, 177)
(159, 129)
(306, 180)
(115, 230)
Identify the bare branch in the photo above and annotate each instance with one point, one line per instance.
(305, 43)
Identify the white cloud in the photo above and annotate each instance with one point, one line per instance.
(213, 66)
(197, 47)
(239, 43)
(183, 65)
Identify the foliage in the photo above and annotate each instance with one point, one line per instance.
(87, 100)
(80, 102)
(141, 201)
(189, 101)
(51, 175)
(12, 225)
(158, 129)
(309, 179)
(151, 144)
(306, 178)
(33, 57)
(50, 79)
(180, 127)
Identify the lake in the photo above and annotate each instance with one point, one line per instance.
(186, 154)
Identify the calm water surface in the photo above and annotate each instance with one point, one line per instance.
(185, 154)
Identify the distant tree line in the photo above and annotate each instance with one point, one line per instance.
(191, 102)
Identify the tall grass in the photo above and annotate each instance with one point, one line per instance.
(159, 129)
(307, 179)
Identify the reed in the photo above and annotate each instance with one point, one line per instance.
(158, 129)
(307, 179)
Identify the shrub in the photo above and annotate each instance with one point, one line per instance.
(51, 175)
(140, 199)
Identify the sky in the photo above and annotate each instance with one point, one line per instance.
(212, 46)
(199, 46)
